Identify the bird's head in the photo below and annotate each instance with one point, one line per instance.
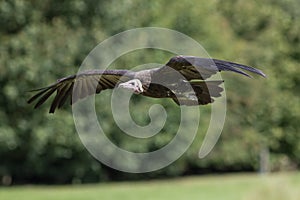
(134, 85)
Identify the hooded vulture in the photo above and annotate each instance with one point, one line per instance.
(183, 78)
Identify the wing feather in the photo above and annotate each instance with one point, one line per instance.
(65, 96)
(192, 67)
(204, 91)
(58, 98)
(79, 86)
(45, 95)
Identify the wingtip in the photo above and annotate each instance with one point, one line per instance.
(248, 75)
(260, 73)
(263, 75)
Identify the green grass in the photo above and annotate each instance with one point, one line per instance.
(237, 186)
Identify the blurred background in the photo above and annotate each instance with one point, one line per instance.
(41, 41)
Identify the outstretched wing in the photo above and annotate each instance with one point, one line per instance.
(80, 86)
(202, 68)
(196, 71)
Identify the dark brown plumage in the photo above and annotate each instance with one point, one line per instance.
(183, 78)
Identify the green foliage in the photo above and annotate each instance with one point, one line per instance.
(42, 41)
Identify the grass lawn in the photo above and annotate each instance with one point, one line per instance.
(234, 186)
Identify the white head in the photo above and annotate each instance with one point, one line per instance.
(134, 85)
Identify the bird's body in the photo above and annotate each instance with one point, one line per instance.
(183, 78)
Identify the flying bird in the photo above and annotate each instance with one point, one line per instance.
(183, 79)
